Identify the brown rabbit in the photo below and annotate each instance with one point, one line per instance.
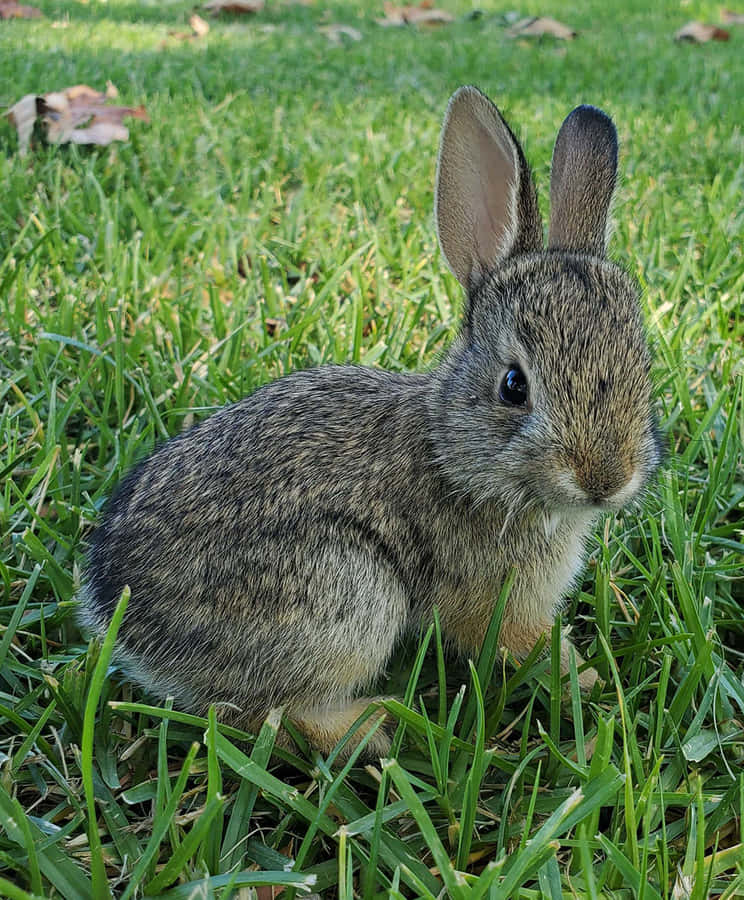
(277, 551)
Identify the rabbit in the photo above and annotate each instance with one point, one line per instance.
(278, 551)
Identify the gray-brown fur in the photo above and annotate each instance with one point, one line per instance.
(277, 552)
(582, 181)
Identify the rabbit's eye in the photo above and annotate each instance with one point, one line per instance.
(513, 390)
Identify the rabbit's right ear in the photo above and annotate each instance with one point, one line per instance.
(486, 204)
(582, 181)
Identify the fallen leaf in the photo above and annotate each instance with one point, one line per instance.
(76, 115)
(538, 26)
(423, 14)
(233, 6)
(700, 33)
(590, 746)
(9, 9)
(101, 133)
(198, 26)
(729, 17)
(268, 892)
(23, 116)
(81, 92)
(336, 33)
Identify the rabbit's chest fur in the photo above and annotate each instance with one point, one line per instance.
(548, 556)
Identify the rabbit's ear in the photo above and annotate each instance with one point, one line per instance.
(486, 205)
(582, 181)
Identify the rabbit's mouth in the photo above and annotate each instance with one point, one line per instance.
(600, 492)
(628, 492)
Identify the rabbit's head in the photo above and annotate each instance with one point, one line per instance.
(544, 400)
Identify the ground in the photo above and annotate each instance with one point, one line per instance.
(276, 212)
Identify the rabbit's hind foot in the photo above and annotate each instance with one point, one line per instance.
(519, 638)
(325, 726)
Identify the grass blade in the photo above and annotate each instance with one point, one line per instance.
(453, 883)
(98, 868)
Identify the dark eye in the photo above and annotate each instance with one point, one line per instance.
(513, 388)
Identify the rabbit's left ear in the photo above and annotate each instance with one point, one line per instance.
(582, 181)
(486, 205)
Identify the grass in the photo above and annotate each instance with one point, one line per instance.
(275, 214)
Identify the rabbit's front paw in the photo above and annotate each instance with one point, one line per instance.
(324, 727)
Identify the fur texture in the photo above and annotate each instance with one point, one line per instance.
(277, 551)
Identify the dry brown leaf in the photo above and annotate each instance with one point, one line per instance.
(537, 27)
(23, 116)
(730, 17)
(82, 93)
(336, 33)
(9, 9)
(700, 33)
(423, 14)
(101, 133)
(234, 6)
(199, 26)
(268, 892)
(77, 115)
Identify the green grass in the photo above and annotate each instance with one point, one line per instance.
(276, 213)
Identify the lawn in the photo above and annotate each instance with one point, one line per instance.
(276, 213)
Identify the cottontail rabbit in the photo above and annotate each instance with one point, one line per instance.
(277, 551)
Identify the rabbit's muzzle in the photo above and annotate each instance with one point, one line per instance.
(600, 477)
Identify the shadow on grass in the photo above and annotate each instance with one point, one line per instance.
(281, 54)
(274, 56)
(96, 11)
(80, 12)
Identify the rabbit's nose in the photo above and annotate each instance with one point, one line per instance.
(600, 476)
